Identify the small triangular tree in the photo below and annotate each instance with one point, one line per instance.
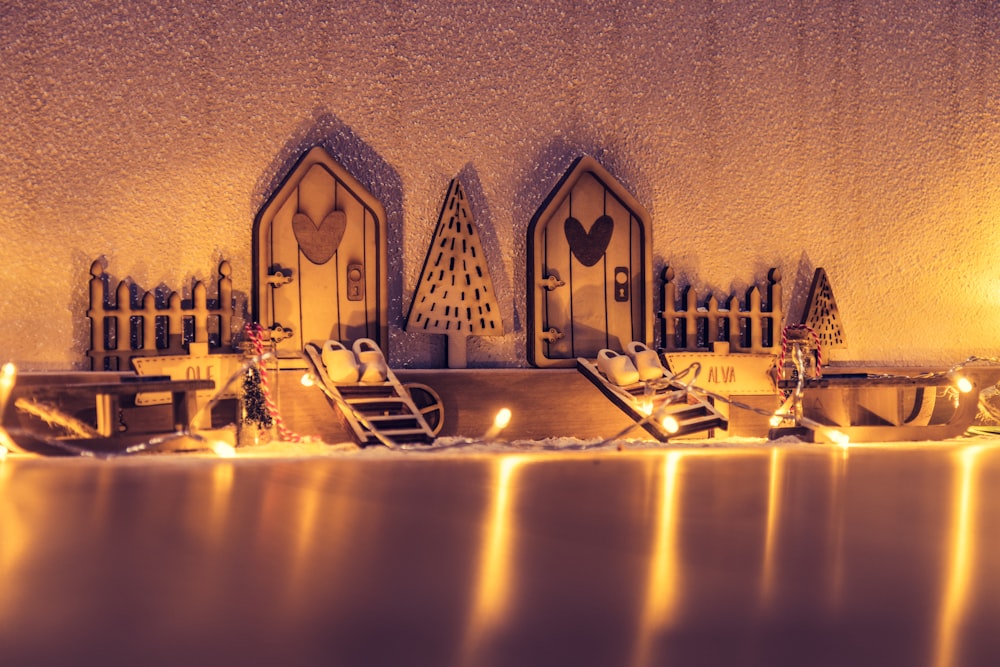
(821, 313)
(455, 294)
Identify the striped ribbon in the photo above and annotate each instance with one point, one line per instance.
(256, 333)
(784, 347)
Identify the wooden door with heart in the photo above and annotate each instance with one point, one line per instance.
(320, 249)
(589, 269)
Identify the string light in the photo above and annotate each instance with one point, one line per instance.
(652, 411)
(645, 406)
(53, 417)
(7, 376)
(670, 424)
(961, 382)
(838, 437)
(222, 449)
(778, 417)
(500, 422)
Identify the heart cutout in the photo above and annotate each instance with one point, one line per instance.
(319, 242)
(589, 247)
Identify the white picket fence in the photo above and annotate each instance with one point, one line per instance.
(124, 325)
(756, 327)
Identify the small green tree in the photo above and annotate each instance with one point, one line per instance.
(255, 412)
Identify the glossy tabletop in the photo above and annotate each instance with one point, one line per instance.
(753, 555)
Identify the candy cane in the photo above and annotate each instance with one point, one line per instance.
(255, 332)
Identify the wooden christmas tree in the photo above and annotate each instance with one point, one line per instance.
(455, 294)
(822, 315)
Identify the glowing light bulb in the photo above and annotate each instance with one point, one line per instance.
(500, 422)
(503, 418)
(6, 444)
(963, 384)
(223, 449)
(779, 416)
(839, 438)
(646, 408)
(308, 380)
(670, 424)
(7, 375)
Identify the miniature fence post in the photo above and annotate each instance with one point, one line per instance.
(175, 321)
(122, 319)
(114, 340)
(199, 299)
(746, 330)
(690, 319)
(668, 310)
(712, 325)
(225, 305)
(733, 322)
(97, 313)
(754, 311)
(774, 305)
(148, 321)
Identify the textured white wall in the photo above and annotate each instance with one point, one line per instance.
(857, 136)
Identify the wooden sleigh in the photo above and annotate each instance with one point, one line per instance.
(654, 405)
(84, 414)
(382, 412)
(880, 408)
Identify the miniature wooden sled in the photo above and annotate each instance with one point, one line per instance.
(382, 412)
(691, 413)
(865, 408)
(54, 414)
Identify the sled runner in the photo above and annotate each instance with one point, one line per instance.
(878, 408)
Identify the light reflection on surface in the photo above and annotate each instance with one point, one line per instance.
(662, 594)
(960, 567)
(491, 587)
(311, 516)
(218, 503)
(296, 516)
(837, 524)
(774, 497)
(709, 556)
(13, 533)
